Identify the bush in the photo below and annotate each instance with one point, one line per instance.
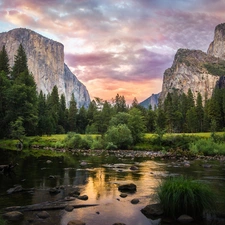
(207, 147)
(179, 195)
(119, 136)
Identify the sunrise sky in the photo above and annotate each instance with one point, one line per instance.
(116, 46)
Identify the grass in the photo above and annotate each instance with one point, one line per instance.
(180, 195)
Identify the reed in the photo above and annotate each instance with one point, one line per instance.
(180, 195)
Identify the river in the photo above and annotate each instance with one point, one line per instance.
(99, 180)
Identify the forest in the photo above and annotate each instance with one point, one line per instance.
(25, 111)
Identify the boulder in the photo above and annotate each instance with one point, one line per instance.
(43, 215)
(83, 197)
(152, 211)
(185, 219)
(123, 195)
(69, 208)
(128, 188)
(76, 222)
(133, 168)
(15, 189)
(54, 191)
(13, 216)
(135, 201)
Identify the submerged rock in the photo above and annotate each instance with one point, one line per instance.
(76, 222)
(43, 215)
(135, 201)
(83, 197)
(15, 189)
(185, 219)
(128, 188)
(152, 211)
(13, 216)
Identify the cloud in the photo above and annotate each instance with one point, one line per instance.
(109, 44)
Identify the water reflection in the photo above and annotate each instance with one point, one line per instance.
(99, 180)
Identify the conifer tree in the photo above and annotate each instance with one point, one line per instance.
(72, 114)
(4, 61)
(20, 63)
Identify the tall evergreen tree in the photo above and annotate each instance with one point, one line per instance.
(20, 63)
(22, 94)
(200, 112)
(4, 61)
(72, 114)
(120, 103)
(82, 120)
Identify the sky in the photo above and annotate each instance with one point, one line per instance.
(116, 46)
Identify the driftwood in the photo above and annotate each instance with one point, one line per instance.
(56, 205)
(7, 169)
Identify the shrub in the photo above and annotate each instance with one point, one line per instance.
(179, 195)
(207, 147)
(119, 136)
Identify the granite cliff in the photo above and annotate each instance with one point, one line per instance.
(197, 70)
(45, 60)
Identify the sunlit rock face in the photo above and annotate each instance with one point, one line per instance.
(196, 70)
(217, 47)
(189, 72)
(45, 60)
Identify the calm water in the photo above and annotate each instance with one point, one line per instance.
(99, 180)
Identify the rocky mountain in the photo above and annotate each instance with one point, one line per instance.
(152, 100)
(197, 70)
(45, 60)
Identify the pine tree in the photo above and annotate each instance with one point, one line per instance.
(20, 63)
(200, 112)
(4, 61)
(72, 114)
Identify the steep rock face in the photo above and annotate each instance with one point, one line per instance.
(189, 70)
(217, 47)
(45, 60)
(152, 100)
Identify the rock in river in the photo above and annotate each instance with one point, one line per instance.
(76, 222)
(152, 211)
(13, 216)
(128, 188)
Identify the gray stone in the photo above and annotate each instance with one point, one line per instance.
(185, 219)
(128, 188)
(43, 215)
(123, 195)
(83, 197)
(152, 211)
(69, 208)
(133, 168)
(76, 222)
(135, 201)
(15, 189)
(54, 191)
(13, 216)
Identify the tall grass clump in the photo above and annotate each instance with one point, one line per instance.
(180, 195)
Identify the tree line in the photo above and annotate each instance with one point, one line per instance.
(24, 110)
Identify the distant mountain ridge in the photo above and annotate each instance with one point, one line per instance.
(45, 60)
(152, 100)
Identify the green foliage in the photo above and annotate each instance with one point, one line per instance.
(119, 136)
(76, 141)
(4, 61)
(17, 129)
(217, 69)
(20, 63)
(207, 147)
(180, 195)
